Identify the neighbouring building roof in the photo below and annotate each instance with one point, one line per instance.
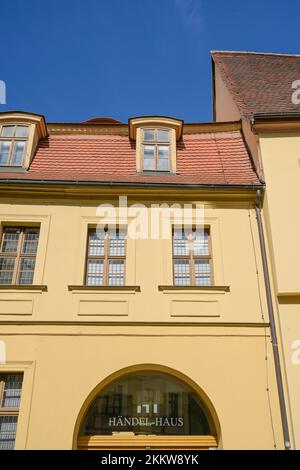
(259, 82)
(102, 120)
(217, 158)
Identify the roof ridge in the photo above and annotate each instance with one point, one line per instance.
(281, 54)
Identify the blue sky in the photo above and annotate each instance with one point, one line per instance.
(76, 59)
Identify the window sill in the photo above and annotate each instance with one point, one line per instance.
(195, 288)
(288, 297)
(156, 173)
(38, 288)
(104, 288)
(12, 169)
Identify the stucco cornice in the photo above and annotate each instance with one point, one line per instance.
(75, 189)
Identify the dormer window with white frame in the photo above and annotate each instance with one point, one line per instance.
(20, 133)
(156, 143)
(13, 141)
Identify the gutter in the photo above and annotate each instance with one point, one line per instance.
(261, 118)
(15, 181)
(275, 115)
(278, 371)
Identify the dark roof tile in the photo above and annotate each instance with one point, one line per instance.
(260, 82)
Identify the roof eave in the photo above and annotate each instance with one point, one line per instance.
(275, 122)
(247, 186)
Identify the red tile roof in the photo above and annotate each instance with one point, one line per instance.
(102, 120)
(260, 82)
(207, 158)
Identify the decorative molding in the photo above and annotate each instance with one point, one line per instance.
(123, 129)
(31, 189)
(195, 308)
(87, 129)
(15, 287)
(155, 121)
(204, 127)
(211, 324)
(21, 117)
(283, 295)
(105, 288)
(16, 306)
(103, 308)
(289, 297)
(194, 288)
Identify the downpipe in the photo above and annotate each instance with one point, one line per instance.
(278, 371)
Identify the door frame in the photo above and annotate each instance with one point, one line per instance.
(129, 442)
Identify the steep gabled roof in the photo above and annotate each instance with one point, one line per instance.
(259, 82)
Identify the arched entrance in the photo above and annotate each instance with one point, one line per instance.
(147, 407)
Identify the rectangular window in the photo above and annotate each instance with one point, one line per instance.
(156, 150)
(106, 256)
(10, 397)
(13, 139)
(18, 255)
(191, 258)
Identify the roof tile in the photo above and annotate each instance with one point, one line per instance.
(260, 82)
(208, 158)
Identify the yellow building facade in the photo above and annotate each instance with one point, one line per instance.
(270, 121)
(283, 192)
(155, 360)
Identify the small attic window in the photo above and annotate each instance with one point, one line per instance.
(156, 149)
(156, 143)
(13, 141)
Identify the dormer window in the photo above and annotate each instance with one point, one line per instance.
(156, 149)
(13, 140)
(156, 143)
(20, 134)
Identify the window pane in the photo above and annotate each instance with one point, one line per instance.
(163, 136)
(8, 428)
(31, 238)
(163, 158)
(4, 151)
(10, 240)
(95, 272)
(6, 270)
(180, 243)
(163, 151)
(96, 243)
(201, 245)
(22, 131)
(26, 271)
(163, 165)
(147, 403)
(12, 390)
(18, 152)
(181, 272)
(7, 131)
(149, 162)
(117, 243)
(116, 272)
(149, 135)
(202, 272)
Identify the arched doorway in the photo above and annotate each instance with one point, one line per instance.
(147, 407)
